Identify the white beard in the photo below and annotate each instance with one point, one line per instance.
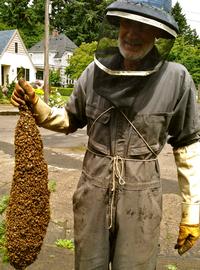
(135, 56)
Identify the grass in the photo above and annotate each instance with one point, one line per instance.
(52, 185)
(4, 101)
(4, 200)
(76, 149)
(65, 243)
(171, 267)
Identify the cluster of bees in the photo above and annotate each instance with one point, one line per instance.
(28, 212)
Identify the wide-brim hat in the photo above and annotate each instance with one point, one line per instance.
(154, 12)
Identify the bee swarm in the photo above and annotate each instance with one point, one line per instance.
(28, 212)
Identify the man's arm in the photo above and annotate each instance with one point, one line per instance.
(56, 119)
(187, 159)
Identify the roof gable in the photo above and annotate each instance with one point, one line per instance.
(8, 38)
(58, 44)
(5, 37)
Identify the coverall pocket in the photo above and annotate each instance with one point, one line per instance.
(154, 131)
(142, 175)
(98, 129)
(156, 197)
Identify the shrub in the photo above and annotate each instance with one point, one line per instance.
(53, 89)
(4, 200)
(39, 91)
(70, 85)
(10, 89)
(57, 100)
(54, 78)
(1, 93)
(65, 91)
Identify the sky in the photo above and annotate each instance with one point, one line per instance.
(191, 9)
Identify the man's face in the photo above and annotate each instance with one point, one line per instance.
(136, 39)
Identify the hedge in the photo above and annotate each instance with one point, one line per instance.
(63, 91)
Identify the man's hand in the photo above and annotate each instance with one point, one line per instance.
(23, 93)
(188, 235)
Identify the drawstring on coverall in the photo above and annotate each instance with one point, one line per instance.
(118, 165)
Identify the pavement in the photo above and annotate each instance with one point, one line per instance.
(7, 109)
(53, 257)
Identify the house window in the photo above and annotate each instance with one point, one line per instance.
(39, 75)
(16, 47)
(23, 72)
(27, 74)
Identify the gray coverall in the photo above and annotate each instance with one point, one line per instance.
(118, 202)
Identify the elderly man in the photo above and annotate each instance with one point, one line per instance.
(133, 101)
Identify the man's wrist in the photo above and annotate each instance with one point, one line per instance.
(190, 213)
(35, 99)
(41, 110)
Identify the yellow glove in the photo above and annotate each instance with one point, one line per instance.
(188, 235)
(23, 93)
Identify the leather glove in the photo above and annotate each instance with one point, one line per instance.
(23, 94)
(188, 235)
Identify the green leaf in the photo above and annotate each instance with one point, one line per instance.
(65, 243)
(4, 200)
(52, 185)
(81, 58)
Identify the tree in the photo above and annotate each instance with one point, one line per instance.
(186, 49)
(185, 30)
(54, 78)
(4, 26)
(180, 18)
(188, 55)
(81, 58)
(79, 20)
(28, 19)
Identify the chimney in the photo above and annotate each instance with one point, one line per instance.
(55, 33)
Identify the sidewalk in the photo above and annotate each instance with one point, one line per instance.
(8, 109)
(61, 225)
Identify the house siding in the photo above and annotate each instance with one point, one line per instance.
(11, 47)
(14, 61)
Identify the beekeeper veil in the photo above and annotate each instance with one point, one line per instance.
(152, 15)
(136, 37)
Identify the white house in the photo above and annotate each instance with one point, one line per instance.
(14, 57)
(61, 48)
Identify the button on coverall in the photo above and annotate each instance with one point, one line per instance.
(118, 201)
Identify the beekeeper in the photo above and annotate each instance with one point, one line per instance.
(132, 101)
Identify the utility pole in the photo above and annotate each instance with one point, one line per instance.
(46, 54)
